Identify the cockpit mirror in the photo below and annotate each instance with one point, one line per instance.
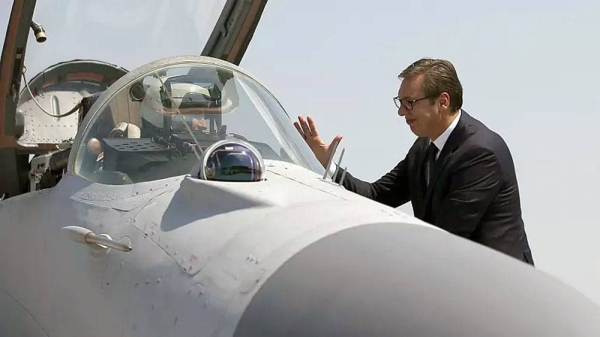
(200, 91)
(191, 98)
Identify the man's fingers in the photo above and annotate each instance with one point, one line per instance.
(313, 127)
(297, 126)
(304, 126)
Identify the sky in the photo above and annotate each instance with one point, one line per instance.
(528, 71)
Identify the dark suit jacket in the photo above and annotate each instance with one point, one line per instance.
(473, 192)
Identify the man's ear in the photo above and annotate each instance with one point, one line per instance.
(444, 100)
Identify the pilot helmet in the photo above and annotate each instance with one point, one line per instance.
(232, 160)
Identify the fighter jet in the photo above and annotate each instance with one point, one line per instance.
(177, 199)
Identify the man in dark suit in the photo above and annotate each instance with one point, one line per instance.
(459, 175)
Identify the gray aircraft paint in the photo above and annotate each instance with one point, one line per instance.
(396, 280)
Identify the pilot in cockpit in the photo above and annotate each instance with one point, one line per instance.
(153, 126)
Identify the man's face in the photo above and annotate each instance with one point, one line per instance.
(424, 116)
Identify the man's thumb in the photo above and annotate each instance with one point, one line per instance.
(336, 139)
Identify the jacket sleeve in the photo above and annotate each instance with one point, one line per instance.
(392, 189)
(472, 188)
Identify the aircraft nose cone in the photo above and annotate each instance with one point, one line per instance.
(399, 280)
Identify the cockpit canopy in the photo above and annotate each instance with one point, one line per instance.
(157, 121)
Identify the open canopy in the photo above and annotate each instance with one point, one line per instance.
(127, 34)
(60, 51)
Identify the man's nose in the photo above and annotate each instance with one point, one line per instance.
(401, 111)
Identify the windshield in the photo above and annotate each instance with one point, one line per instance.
(124, 33)
(158, 123)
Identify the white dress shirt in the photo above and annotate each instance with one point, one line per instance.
(443, 138)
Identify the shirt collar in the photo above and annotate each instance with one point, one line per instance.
(441, 140)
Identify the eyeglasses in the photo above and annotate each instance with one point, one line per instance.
(408, 103)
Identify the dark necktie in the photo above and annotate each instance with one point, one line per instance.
(431, 153)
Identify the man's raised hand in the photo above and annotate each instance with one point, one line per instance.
(308, 131)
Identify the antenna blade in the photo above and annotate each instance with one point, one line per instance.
(343, 175)
(330, 160)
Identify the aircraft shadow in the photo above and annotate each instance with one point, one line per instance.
(198, 200)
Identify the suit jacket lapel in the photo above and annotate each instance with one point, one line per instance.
(456, 138)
